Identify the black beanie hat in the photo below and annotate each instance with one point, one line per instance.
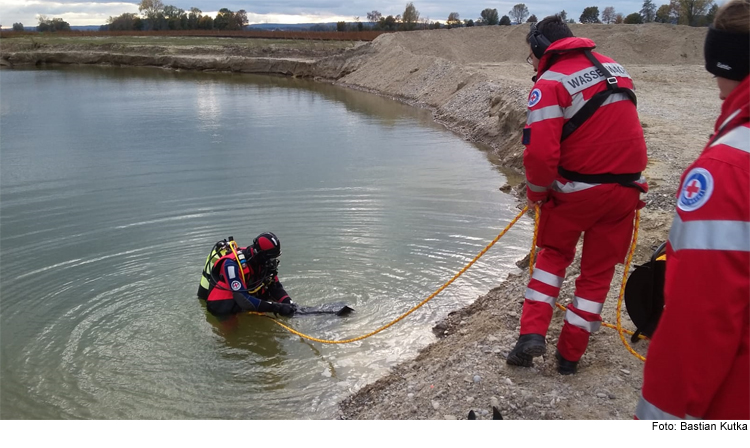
(727, 54)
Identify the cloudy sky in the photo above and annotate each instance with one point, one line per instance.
(96, 12)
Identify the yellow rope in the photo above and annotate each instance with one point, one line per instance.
(537, 211)
(532, 255)
(622, 288)
(439, 290)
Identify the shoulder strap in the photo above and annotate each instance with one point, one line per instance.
(596, 101)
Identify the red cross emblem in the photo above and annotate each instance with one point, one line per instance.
(699, 185)
(693, 187)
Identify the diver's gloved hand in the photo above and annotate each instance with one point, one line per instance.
(284, 309)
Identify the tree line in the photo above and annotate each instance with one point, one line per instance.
(411, 20)
(155, 16)
(683, 12)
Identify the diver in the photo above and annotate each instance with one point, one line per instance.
(237, 279)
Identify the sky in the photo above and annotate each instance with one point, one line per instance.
(79, 13)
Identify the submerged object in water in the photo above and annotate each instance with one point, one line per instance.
(337, 308)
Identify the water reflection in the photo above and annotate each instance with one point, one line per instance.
(207, 107)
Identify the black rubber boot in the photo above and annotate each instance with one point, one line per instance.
(564, 366)
(527, 348)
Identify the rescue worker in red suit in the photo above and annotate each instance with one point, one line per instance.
(257, 288)
(697, 364)
(587, 178)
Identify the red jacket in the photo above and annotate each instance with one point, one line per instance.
(698, 363)
(611, 141)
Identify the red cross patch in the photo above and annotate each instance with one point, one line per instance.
(696, 190)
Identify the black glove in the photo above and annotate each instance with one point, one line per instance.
(284, 309)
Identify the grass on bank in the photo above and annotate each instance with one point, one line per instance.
(36, 40)
(197, 37)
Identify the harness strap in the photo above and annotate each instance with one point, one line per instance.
(607, 178)
(596, 101)
(586, 112)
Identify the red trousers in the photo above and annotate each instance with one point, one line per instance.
(604, 214)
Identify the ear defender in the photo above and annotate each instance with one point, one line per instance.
(538, 42)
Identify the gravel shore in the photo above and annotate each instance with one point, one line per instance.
(476, 83)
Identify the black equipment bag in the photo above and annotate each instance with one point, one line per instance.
(644, 294)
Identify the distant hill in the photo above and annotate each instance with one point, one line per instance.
(83, 28)
(72, 28)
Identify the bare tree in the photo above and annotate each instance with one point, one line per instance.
(410, 17)
(424, 23)
(519, 13)
(240, 19)
(374, 16)
(150, 8)
(692, 9)
(608, 15)
(453, 18)
(675, 12)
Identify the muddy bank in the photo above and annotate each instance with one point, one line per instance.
(475, 81)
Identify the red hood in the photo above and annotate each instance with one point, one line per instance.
(562, 46)
(739, 99)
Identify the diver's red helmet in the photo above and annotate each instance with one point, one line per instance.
(267, 245)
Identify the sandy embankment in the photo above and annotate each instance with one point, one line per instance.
(476, 82)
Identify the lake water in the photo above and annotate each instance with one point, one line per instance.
(116, 182)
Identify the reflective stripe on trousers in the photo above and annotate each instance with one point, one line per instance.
(547, 278)
(574, 319)
(539, 297)
(587, 305)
